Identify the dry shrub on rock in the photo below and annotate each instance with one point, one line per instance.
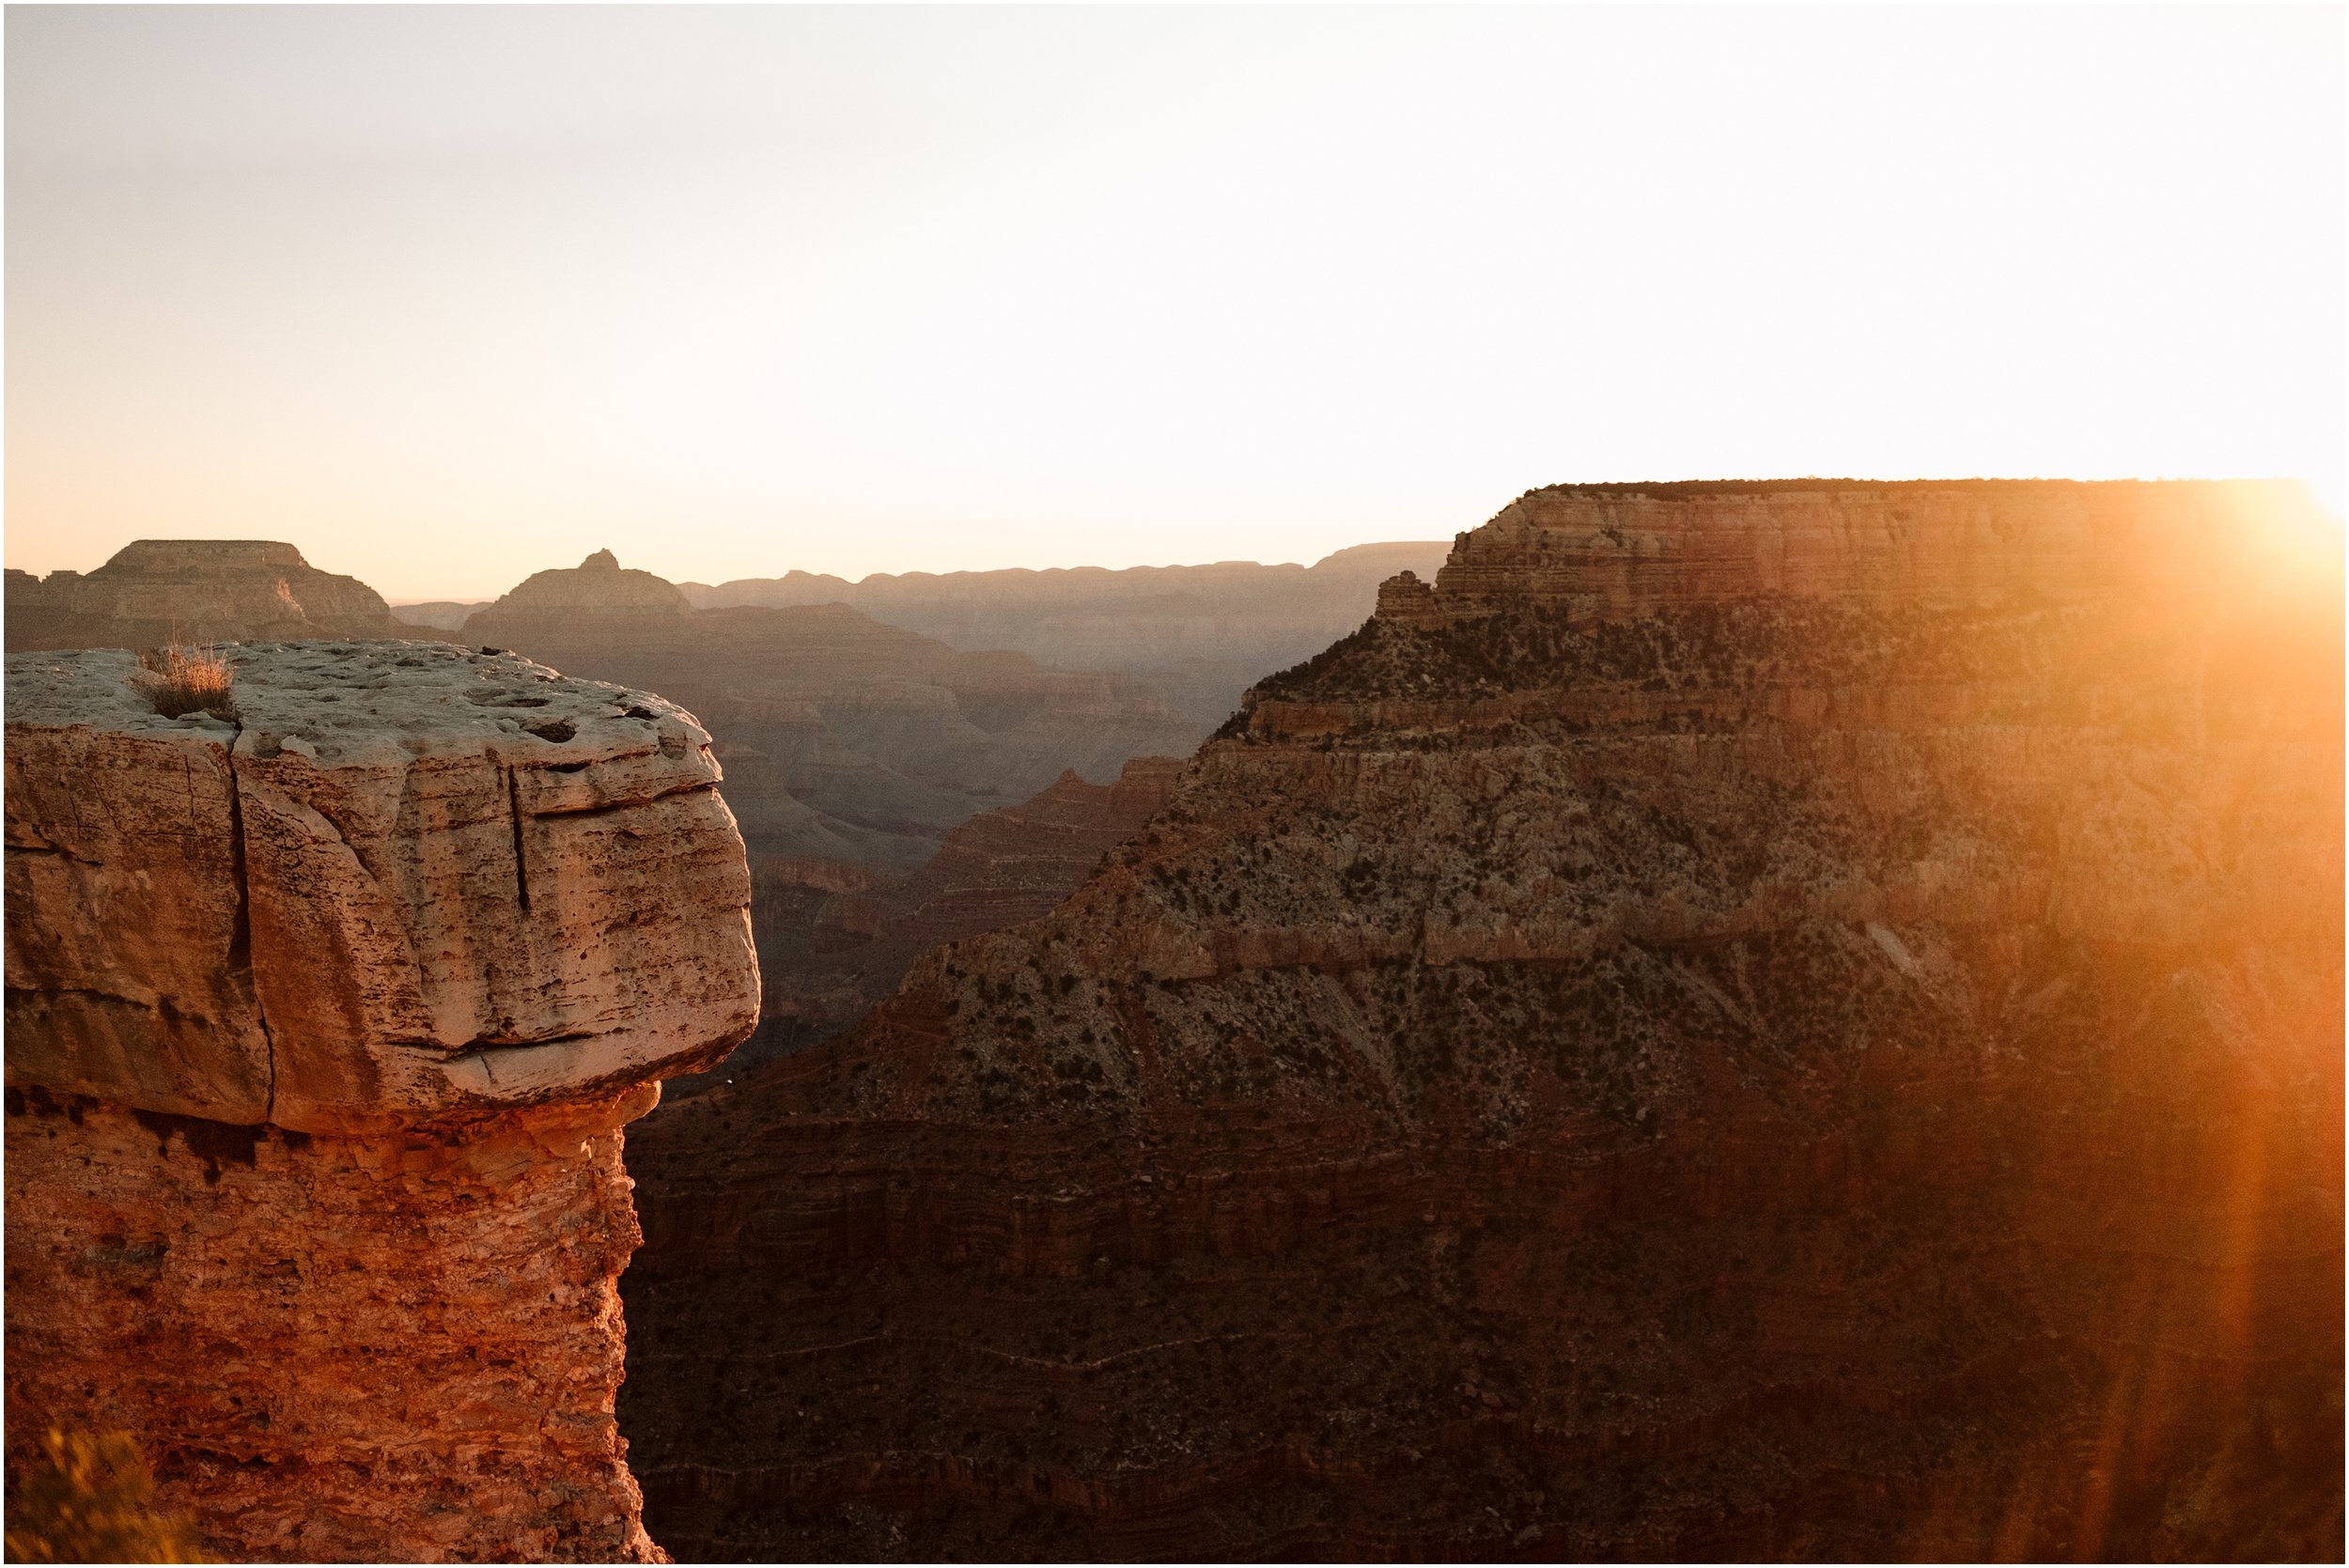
(189, 680)
(88, 1498)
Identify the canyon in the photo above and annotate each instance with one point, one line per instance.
(845, 740)
(851, 748)
(327, 1004)
(1192, 637)
(855, 746)
(1000, 868)
(437, 614)
(1786, 1019)
(1780, 1020)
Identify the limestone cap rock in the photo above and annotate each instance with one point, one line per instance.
(1619, 550)
(407, 881)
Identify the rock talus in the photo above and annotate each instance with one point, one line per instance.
(323, 1020)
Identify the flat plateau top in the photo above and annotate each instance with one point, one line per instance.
(1668, 490)
(355, 702)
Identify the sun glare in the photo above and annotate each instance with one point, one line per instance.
(439, 293)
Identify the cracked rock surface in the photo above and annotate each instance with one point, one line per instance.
(324, 1020)
(407, 880)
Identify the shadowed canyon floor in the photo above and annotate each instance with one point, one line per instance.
(832, 956)
(1789, 1021)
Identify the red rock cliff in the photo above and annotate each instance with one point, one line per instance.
(323, 1025)
(1786, 1020)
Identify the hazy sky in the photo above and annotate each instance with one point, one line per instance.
(445, 295)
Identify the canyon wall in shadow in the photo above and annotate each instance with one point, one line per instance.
(999, 868)
(1783, 1020)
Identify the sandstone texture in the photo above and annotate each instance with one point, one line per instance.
(323, 1020)
(1807, 1027)
(156, 592)
(407, 881)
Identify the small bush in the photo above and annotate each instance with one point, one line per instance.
(189, 680)
(87, 1501)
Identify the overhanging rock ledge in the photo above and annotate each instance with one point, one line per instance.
(323, 1019)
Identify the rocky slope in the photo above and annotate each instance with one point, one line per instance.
(160, 591)
(1193, 636)
(1750, 1020)
(323, 1019)
(829, 956)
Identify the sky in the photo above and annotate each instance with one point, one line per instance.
(445, 295)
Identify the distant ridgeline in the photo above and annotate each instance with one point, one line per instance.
(159, 591)
(1193, 637)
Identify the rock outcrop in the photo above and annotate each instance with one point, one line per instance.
(1747, 1021)
(323, 1025)
(155, 592)
(851, 748)
(1619, 550)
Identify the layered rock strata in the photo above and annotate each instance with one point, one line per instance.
(830, 953)
(323, 1020)
(1809, 1026)
(154, 592)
